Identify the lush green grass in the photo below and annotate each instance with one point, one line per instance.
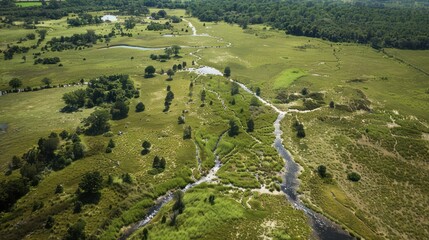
(28, 4)
(286, 78)
(234, 214)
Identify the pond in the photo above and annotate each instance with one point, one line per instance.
(110, 18)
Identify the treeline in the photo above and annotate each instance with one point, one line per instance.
(114, 90)
(76, 40)
(375, 24)
(56, 9)
(84, 19)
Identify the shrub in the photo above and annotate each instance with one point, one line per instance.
(353, 176)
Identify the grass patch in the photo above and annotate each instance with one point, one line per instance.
(287, 77)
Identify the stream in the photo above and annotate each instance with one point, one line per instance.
(323, 228)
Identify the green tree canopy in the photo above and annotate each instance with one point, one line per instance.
(149, 71)
(98, 122)
(15, 83)
(92, 182)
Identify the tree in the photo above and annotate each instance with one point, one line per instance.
(59, 189)
(178, 205)
(76, 231)
(227, 72)
(119, 110)
(146, 233)
(78, 151)
(49, 222)
(304, 91)
(176, 49)
(149, 71)
(111, 144)
(16, 163)
(75, 99)
(140, 107)
(64, 134)
(92, 182)
(322, 171)
(234, 89)
(254, 101)
(146, 147)
(98, 122)
(181, 119)
(353, 176)
(258, 91)
(250, 125)
(77, 207)
(168, 51)
(233, 128)
(170, 74)
(47, 81)
(187, 132)
(203, 95)
(15, 83)
(331, 104)
(212, 199)
(42, 33)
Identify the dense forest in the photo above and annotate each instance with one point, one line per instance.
(378, 23)
(373, 23)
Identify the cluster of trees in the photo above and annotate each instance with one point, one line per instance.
(168, 99)
(48, 60)
(54, 152)
(154, 26)
(160, 14)
(84, 19)
(11, 50)
(146, 145)
(376, 24)
(104, 89)
(76, 40)
(158, 164)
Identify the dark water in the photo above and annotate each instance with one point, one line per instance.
(3, 127)
(323, 228)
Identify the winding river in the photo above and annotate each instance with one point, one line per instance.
(323, 228)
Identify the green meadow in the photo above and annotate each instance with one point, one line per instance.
(378, 127)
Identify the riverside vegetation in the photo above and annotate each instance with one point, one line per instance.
(138, 127)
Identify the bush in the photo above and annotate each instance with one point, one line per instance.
(353, 176)
(140, 107)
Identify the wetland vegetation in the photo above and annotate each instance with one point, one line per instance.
(110, 130)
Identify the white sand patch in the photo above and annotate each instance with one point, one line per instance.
(110, 18)
(205, 71)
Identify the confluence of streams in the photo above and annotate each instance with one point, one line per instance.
(323, 228)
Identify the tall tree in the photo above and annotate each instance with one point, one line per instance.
(227, 72)
(233, 128)
(149, 71)
(15, 83)
(98, 122)
(92, 182)
(250, 125)
(47, 81)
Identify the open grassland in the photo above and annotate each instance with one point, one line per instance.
(32, 115)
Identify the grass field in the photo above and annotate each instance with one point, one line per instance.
(28, 4)
(387, 145)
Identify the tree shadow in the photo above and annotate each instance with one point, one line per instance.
(145, 151)
(90, 198)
